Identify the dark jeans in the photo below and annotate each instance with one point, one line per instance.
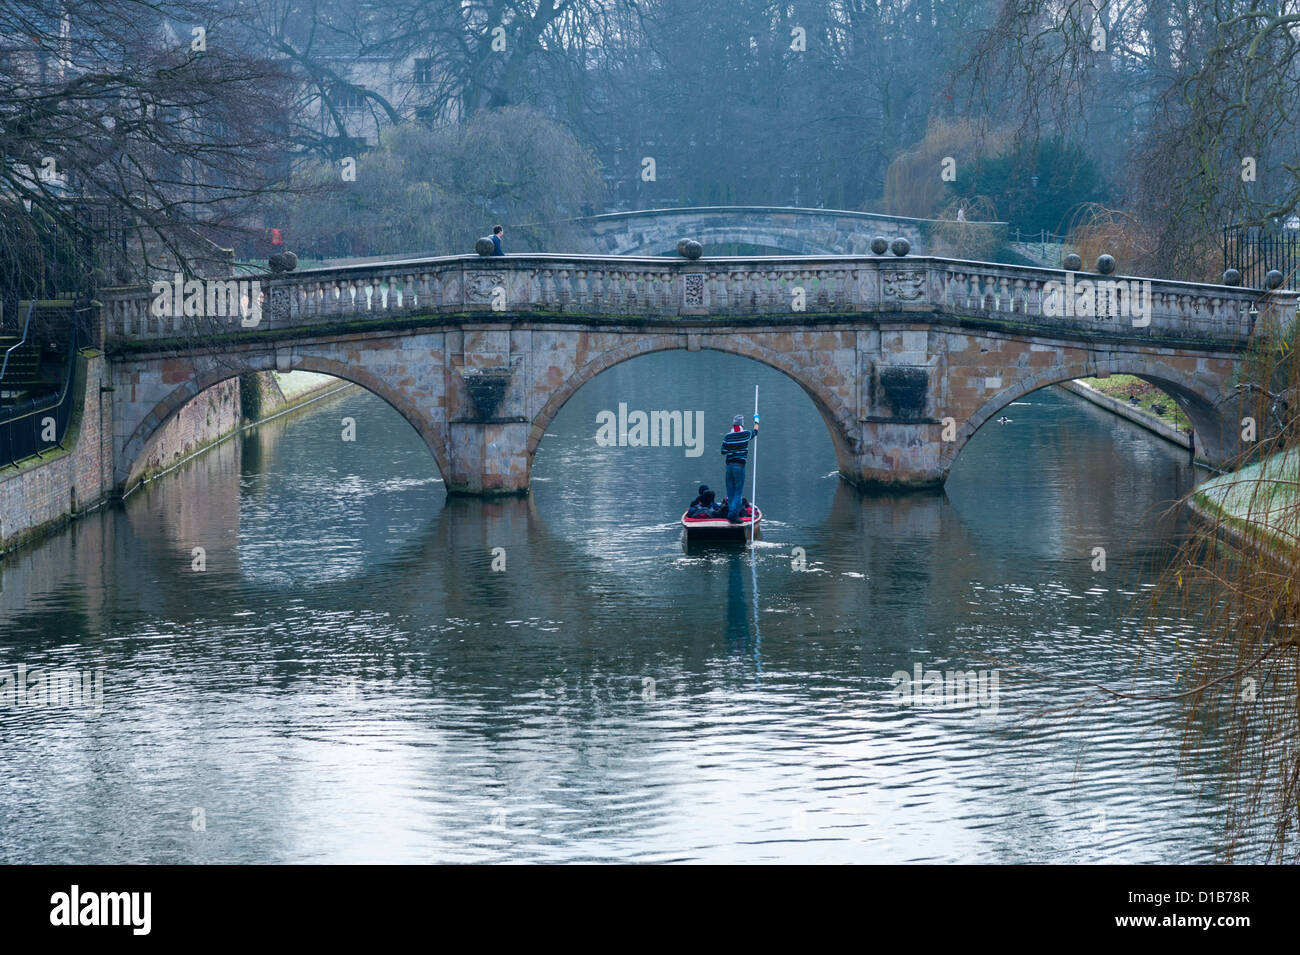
(735, 488)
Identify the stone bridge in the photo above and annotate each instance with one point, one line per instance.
(905, 357)
(780, 229)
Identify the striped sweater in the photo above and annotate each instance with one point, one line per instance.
(735, 445)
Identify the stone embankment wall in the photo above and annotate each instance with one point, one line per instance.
(44, 493)
(1136, 415)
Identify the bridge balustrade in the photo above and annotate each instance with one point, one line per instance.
(779, 290)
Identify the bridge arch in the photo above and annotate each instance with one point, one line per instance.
(838, 419)
(791, 229)
(1200, 400)
(165, 410)
(783, 241)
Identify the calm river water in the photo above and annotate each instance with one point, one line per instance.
(350, 680)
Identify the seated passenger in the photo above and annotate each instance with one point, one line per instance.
(703, 504)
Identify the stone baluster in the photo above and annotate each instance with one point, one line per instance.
(740, 289)
(960, 295)
(630, 290)
(315, 300)
(546, 293)
(310, 301)
(989, 295)
(717, 282)
(1034, 298)
(564, 291)
(581, 289)
(614, 296)
(1161, 308)
(825, 291)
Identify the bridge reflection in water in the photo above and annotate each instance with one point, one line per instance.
(350, 680)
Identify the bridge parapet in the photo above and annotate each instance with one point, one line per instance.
(780, 291)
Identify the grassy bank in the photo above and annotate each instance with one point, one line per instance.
(1149, 398)
(1261, 499)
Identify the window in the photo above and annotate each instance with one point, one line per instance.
(348, 97)
(423, 71)
(424, 115)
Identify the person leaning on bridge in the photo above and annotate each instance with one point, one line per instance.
(735, 446)
(497, 232)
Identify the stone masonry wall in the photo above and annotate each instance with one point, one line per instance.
(42, 494)
(209, 417)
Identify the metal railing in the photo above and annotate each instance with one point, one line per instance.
(4, 363)
(1041, 237)
(38, 426)
(1254, 251)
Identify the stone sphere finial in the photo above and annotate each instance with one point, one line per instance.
(484, 246)
(900, 246)
(879, 245)
(282, 262)
(1231, 277)
(1072, 262)
(689, 248)
(1105, 264)
(1273, 279)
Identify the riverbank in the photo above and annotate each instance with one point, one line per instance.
(229, 408)
(1255, 509)
(1103, 392)
(1258, 507)
(42, 494)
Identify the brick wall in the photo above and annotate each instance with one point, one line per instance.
(209, 417)
(40, 494)
(43, 494)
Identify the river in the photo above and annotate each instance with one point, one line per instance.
(366, 671)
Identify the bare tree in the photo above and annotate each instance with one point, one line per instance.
(1198, 100)
(159, 116)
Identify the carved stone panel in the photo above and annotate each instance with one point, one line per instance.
(902, 286)
(693, 292)
(478, 288)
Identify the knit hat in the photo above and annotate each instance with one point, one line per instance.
(738, 421)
